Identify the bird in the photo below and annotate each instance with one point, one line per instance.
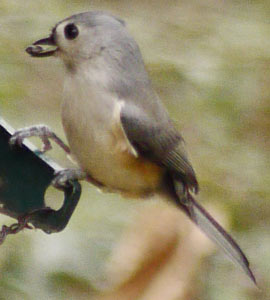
(118, 130)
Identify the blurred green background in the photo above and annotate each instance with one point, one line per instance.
(210, 62)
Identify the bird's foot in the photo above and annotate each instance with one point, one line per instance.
(41, 131)
(64, 177)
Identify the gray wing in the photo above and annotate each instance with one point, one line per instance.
(160, 142)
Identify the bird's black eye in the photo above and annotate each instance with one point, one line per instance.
(71, 31)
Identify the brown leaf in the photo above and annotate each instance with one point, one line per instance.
(156, 256)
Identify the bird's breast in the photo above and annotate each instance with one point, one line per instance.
(98, 143)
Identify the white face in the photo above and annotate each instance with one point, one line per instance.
(68, 37)
(77, 42)
(87, 37)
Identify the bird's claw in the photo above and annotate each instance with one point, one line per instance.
(17, 138)
(64, 178)
(41, 131)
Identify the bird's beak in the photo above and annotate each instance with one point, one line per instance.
(37, 49)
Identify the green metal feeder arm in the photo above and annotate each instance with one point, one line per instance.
(25, 174)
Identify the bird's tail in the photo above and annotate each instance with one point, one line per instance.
(210, 227)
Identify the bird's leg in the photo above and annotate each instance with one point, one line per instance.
(63, 178)
(42, 131)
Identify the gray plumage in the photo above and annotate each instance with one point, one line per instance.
(116, 124)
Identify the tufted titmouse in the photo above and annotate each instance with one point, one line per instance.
(117, 129)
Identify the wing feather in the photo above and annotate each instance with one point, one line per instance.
(158, 142)
(162, 144)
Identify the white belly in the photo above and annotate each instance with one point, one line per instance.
(100, 147)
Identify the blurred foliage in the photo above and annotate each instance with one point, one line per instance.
(210, 62)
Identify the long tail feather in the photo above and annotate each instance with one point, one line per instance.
(212, 229)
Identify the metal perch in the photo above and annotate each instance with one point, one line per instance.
(25, 174)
